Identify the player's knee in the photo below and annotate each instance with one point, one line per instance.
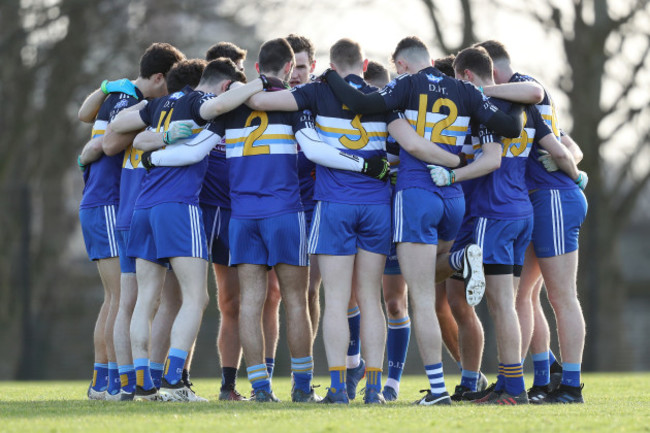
(396, 308)
(229, 307)
(273, 296)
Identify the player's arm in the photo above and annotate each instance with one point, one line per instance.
(93, 102)
(282, 100)
(121, 132)
(507, 124)
(356, 100)
(526, 92)
(150, 140)
(489, 161)
(561, 155)
(420, 147)
(231, 99)
(182, 154)
(573, 147)
(323, 154)
(91, 152)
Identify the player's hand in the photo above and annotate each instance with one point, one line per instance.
(323, 77)
(547, 161)
(582, 180)
(441, 176)
(82, 167)
(271, 83)
(177, 131)
(146, 160)
(119, 86)
(376, 167)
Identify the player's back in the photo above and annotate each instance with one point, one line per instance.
(361, 135)
(261, 151)
(175, 184)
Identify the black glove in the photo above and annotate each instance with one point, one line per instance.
(323, 77)
(146, 160)
(376, 167)
(272, 83)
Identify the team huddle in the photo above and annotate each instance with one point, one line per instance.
(450, 182)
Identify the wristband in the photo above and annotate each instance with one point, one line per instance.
(481, 89)
(452, 177)
(81, 166)
(166, 137)
(578, 179)
(103, 87)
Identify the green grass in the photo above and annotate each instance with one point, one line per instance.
(615, 403)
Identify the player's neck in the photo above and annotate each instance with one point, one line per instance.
(144, 86)
(345, 72)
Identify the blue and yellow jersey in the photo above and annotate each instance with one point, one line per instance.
(216, 185)
(439, 108)
(174, 184)
(307, 177)
(503, 194)
(102, 177)
(362, 135)
(536, 175)
(262, 156)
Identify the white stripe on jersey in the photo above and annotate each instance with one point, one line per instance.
(332, 129)
(278, 138)
(313, 235)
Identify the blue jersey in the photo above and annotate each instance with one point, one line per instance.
(102, 177)
(216, 185)
(536, 175)
(174, 184)
(439, 108)
(262, 156)
(306, 175)
(502, 194)
(356, 134)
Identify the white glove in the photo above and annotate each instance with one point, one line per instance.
(440, 175)
(582, 180)
(177, 131)
(547, 161)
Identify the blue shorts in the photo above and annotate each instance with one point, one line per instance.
(216, 221)
(340, 229)
(98, 228)
(424, 217)
(269, 241)
(127, 264)
(392, 264)
(309, 216)
(559, 213)
(465, 234)
(167, 230)
(503, 242)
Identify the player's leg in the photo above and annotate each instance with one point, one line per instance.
(122, 335)
(150, 278)
(313, 296)
(530, 278)
(271, 321)
(399, 329)
(356, 367)
(99, 382)
(161, 327)
(228, 344)
(448, 325)
(109, 271)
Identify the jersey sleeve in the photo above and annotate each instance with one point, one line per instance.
(542, 129)
(195, 108)
(396, 93)
(217, 126)
(306, 96)
(480, 106)
(302, 119)
(147, 113)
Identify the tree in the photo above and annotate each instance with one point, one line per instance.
(606, 46)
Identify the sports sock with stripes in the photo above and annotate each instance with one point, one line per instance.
(157, 370)
(354, 349)
(338, 377)
(303, 373)
(397, 345)
(143, 373)
(127, 377)
(270, 366)
(501, 380)
(100, 376)
(571, 374)
(259, 377)
(114, 384)
(514, 378)
(456, 259)
(174, 365)
(436, 378)
(373, 379)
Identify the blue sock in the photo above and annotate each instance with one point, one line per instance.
(456, 259)
(303, 372)
(100, 377)
(571, 374)
(114, 384)
(143, 373)
(436, 378)
(338, 379)
(270, 366)
(551, 357)
(514, 379)
(354, 349)
(397, 345)
(174, 365)
(501, 380)
(259, 377)
(542, 369)
(127, 377)
(157, 370)
(469, 379)
(373, 378)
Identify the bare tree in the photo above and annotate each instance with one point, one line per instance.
(606, 46)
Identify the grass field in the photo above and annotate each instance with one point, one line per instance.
(615, 403)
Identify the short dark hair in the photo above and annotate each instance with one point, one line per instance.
(496, 50)
(221, 69)
(301, 43)
(409, 43)
(446, 65)
(274, 54)
(346, 53)
(376, 72)
(225, 49)
(476, 59)
(185, 73)
(159, 59)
